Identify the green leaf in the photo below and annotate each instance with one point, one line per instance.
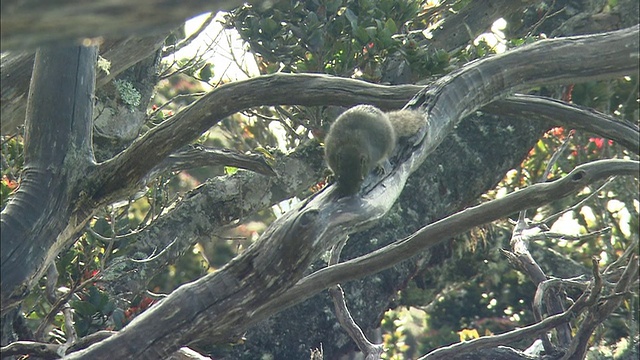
(312, 19)
(390, 25)
(269, 27)
(362, 35)
(83, 308)
(371, 31)
(353, 19)
(206, 72)
(333, 6)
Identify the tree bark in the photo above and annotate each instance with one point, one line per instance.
(37, 220)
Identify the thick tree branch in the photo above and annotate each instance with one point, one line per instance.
(37, 221)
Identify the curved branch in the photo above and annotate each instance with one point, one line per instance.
(533, 196)
(562, 113)
(196, 156)
(172, 49)
(277, 89)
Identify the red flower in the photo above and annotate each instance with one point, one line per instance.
(11, 184)
(557, 131)
(599, 142)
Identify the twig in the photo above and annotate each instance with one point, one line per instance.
(554, 235)
(170, 101)
(574, 207)
(59, 304)
(370, 350)
(172, 49)
(526, 332)
(154, 256)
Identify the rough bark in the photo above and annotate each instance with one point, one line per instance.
(38, 219)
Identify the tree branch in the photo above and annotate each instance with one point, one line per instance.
(195, 156)
(37, 220)
(433, 234)
(559, 112)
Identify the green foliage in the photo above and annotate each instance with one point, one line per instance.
(394, 336)
(345, 38)
(91, 311)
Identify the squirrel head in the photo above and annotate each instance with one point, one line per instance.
(352, 167)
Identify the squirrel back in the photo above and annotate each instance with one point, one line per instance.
(363, 137)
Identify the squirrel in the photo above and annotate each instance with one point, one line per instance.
(363, 137)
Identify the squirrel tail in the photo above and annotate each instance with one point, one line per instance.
(406, 123)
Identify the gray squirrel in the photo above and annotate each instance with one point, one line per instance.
(363, 137)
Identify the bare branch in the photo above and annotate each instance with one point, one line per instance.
(371, 351)
(600, 311)
(38, 349)
(573, 116)
(196, 155)
(526, 332)
(174, 48)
